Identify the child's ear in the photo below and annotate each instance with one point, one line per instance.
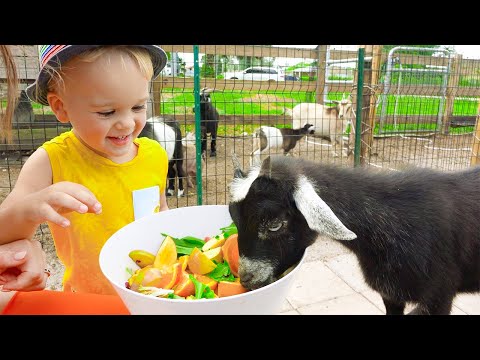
(56, 104)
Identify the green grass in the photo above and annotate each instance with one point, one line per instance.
(416, 105)
(178, 102)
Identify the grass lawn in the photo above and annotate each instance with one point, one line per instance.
(178, 101)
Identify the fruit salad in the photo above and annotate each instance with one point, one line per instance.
(189, 268)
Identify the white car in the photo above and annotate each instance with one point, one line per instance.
(259, 73)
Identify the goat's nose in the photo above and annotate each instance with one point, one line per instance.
(245, 276)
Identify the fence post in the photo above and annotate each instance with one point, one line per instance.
(321, 68)
(452, 88)
(198, 152)
(157, 97)
(368, 102)
(475, 159)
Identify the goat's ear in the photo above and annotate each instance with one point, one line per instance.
(266, 168)
(317, 213)
(336, 102)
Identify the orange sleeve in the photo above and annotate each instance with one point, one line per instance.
(48, 302)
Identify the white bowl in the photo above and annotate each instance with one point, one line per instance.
(198, 221)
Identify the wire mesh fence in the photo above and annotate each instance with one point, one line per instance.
(418, 108)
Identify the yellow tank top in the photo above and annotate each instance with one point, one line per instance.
(78, 246)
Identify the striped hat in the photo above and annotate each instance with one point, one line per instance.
(55, 55)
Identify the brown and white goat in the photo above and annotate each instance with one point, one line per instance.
(190, 159)
(268, 139)
(328, 122)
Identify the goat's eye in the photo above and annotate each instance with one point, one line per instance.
(275, 227)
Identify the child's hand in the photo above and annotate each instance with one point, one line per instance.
(60, 198)
(22, 266)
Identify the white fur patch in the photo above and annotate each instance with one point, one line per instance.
(317, 213)
(239, 187)
(262, 270)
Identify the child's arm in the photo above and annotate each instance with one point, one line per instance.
(163, 201)
(35, 200)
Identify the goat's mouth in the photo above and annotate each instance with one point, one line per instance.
(255, 283)
(255, 273)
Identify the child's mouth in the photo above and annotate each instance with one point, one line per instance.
(119, 140)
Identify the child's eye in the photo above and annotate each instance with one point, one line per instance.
(139, 108)
(106, 113)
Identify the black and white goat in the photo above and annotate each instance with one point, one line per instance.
(415, 232)
(209, 121)
(328, 122)
(167, 132)
(269, 138)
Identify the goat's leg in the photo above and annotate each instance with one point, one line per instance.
(171, 179)
(213, 144)
(393, 307)
(439, 305)
(203, 143)
(337, 145)
(190, 177)
(180, 175)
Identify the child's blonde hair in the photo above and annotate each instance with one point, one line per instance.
(12, 94)
(139, 55)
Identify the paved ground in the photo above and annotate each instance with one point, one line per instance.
(330, 283)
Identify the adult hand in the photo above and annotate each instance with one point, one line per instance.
(60, 198)
(22, 266)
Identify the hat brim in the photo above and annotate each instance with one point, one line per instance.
(38, 90)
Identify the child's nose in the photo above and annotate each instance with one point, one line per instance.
(125, 122)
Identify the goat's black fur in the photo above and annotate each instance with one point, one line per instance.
(209, 123)
(175, 162)
(417, 234)
(23, 113)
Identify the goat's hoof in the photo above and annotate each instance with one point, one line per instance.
(180, 193)
(213, 154)
(170, 192)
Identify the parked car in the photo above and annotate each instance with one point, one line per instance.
(260, 73)
(291, 78)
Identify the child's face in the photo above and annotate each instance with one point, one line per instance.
(105, 101)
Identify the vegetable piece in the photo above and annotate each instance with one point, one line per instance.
(186, 244)
(199, 263)
(231, 254)
(141, 257)
(154, 291)
(229, 288)
(214, 242)
(166, 255)
(202, 290)
(229, 230)
(222, 273)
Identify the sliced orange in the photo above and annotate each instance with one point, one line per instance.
(166, 255)
(231, 254)
(207, 281)
(184, 261)
(185, 287)
(229, 288)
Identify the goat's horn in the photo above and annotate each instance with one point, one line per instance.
(207, 90)
(237, 168)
